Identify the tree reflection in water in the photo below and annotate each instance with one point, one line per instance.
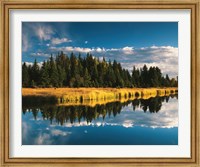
(63, 114)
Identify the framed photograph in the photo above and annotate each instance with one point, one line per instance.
(99, 83)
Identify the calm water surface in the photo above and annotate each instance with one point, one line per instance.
(138, 122)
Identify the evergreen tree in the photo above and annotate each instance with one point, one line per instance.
(89, 71)
(53, 73)
(136, 77)
(35, 74)
(167, 81)
(73, 65)
(144, 77)
(25, 76)
(110, 77)
(45, 80)
(87, 78)
(61, 75)
(67, 71)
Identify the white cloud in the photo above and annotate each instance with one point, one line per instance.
(71, 49)
(43, 138)
(25, 43)
(43, 32)
(29, 31)
(128, 50)
(56, 41)
(31, 63)
(167, 117)
(28, 63)
(57, 132)
(128, 123)
(113, 49)
(99, 50)
(40, 54)
(165, 57)
(98, 124)
(25, 130)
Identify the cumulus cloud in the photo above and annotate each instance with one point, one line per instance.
(128, 123)
(31, 63)
(71, 49)
(28, 63)
(57, 132)
(40, 54)
(82, 123)
(165, 57)
(57, 41)
(166, 118)
(128, 50)
(99, 50)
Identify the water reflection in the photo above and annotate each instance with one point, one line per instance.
(127, 123)
(72, 114)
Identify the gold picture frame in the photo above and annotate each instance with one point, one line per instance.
(7, 5)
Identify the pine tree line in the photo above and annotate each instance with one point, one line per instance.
(72, 71)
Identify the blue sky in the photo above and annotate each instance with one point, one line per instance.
(131, 43)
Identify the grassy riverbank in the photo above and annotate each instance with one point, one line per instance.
(92, 96)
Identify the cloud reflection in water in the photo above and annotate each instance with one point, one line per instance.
(64, 125)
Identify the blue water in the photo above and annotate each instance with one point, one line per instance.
(139, 122)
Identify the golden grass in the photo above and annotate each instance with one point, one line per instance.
(94, 96)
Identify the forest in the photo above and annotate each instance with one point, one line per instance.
(77, 71)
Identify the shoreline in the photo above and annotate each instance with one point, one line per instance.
(92, 96)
